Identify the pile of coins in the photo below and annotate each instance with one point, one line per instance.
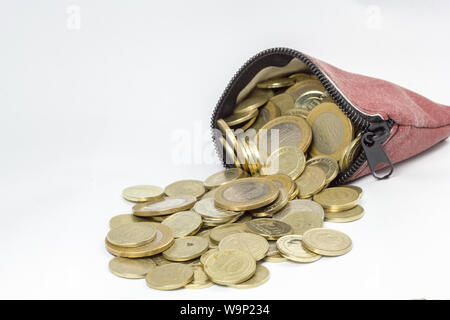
(194, 234)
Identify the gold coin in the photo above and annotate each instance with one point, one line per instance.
(183, 223)
(193, 188)
(132, 234)
(302, 113)
(142, 193)
(249, 123)
(230, 155)
(275, 258)
(230, 266)
(273, 250)
(356, 188)
(270, 229)
(283, 101)
(299, 89)
(223, 177)
(298, 77)
(207, 254)
(351, 152)
(294, 194)
(302, 220)
(337, 199)
(250, 104)
(159, 260)
(301, 205)
(327, 242)
(205, 234)
(286, 160)
(163, 240)
(270, 209)
(254, 244)
(276, 83)
(332, 130)
(260, 277)
(246, 194)
(262, 92)
(310, 99)
(200, 280)
(164, 206)
(291, 247)
(345, 216)
(267, 113)
(207, 209)
(283, 181)
(122, 219)
(241, 147)
(238, 118)
(169, 276)
(187, 248)
(131, 268)
(209, 194)
(328, 165)
(220, 232)
(160, 218)
(284, 131)
(231, 141)
(311, 181)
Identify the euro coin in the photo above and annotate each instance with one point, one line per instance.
(260, 277)
(332, 131)
(267, 113)
(131, 268)
(187, 248)
(246, 194)
(283, 101)
(286, 160)
(337, 199)
(327, 242)
(193, 188)
(270, 229)
(284, 131)
(311, 181)
(254, 244)
(290, 247)
(169, 276)
(164, 206)
(200, 279)
(122, 219)
(328, 165)
(163, 240)
(132, 234)
(228, 267)
(238, 118)
(301, 205)
(223, 177)
(183, 223)
(142, 193)
(250, 104)
(345, 216)
(276, 83)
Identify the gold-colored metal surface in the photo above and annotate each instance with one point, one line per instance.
(122, 219)
(271, 229)
(302, 220)
(337, 199)
(254, 244)
(288, 160)
(169, 276)
(291, 247)
(164, 206)
(224, 176)
(311, 181)
(283, 101)
(345, 216)
(238, 118)
(187, 248)
(183, 223)
(327, 242)
(131, 268)
(274, 207)
(194, 188)
(250, 104)
(260, 277)
(267, 113)
(200, 280)
(301, 205)
(142, 193)
(276, 83)
(328, 165)
(220, 232)
(132, 234)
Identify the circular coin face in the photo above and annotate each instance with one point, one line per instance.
(228, 267)
(337, 199)
(291, 247)
(351, 152)
(200, 280)
(356, 188)
(207, 209)
(132, 234)
(246, 194)
(276, 83)
(222, 177)
(289, 161)
(260, 277)
(142, 193)
(183, 223)
(250, 104)
(207, 254)
(303, 87)
(163, 240)
(238, 118)
(301, 205)
(169, 276)
(269, 210)
(131, 268)
(192, 188)
(267, 113)
(327, 242)
(122, 219)
(282, 132)
(310, 182)
(164, 206)
(220, 232)
(283, 101)
(254, 244)
(302, 220)
(270, 229)
(187, 248)
(332, 130)
(345, 216)
(328, 165)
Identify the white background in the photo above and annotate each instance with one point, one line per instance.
(90, 108)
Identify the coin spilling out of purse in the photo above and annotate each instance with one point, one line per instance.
(286, 142)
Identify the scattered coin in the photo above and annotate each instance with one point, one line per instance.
(327, 242)
(345, 216)
(194, 188)
(206, 255)
(131, 268)
(289, 161)
(260, 277)
(267, 113)
(290, 247)
(222, 177)
(183, 223)
(132, 234)
(238, 118)
(274, 207)
(283, 101)
(328, 165)
(164, 206)
(303, 220)
(270, 229)
(337, 199)
(254, 244)
(220, 232)
(311, 182)
(187, 248)
(122, 219)
(301, 205)
(169, 276)
(142, 193)
(200, 279)
(250, 104)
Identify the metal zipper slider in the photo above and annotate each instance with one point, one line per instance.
(372, 141)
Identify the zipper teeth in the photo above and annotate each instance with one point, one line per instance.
(358, 119)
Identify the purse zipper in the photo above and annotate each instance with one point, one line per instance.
(375, 129)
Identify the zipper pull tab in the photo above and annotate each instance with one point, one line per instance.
(372, 143)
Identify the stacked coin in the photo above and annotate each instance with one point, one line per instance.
(190, 233)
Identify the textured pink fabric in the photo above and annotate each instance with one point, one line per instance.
(420, 122)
